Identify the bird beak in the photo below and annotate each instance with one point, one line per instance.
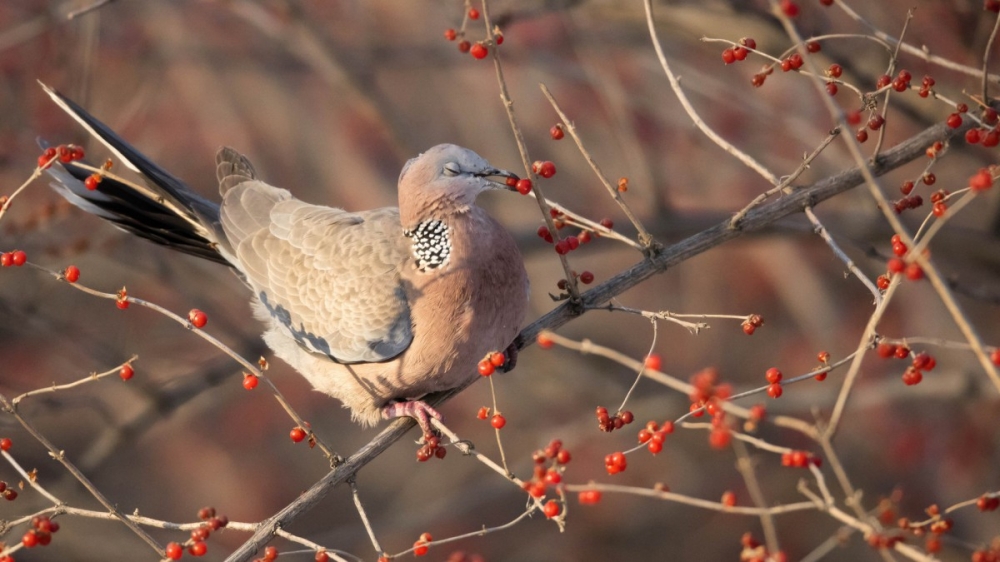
(510, 178)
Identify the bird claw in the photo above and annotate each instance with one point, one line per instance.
(416, 409)
(511, 358)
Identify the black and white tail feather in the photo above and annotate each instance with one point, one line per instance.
(165, 210)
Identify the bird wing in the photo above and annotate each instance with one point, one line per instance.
(330, 278)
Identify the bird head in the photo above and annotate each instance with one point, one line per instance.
(445, 179)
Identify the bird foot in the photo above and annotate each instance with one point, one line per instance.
(416, 409)
(511, 358)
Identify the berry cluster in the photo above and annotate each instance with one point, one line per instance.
(654, 435)
(988, 135)
(41, 532)
(497, 421)
(708, 396)
(938, 199)
(800, 459)
(543, 168)
(896, 265)
(543, 476)
(615, 462)
(65, 153)
(196, 545)
(773, 376)
(491, 362)
(608, 424)
(480, 49)
(422, 545)
(922, 361)
(751, 324)
(932, 529)
(8, 493)
(431, 448)
(740, 52)
(17, 258)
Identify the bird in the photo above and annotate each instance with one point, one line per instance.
(376, 308)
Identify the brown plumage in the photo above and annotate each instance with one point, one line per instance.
(375, 308)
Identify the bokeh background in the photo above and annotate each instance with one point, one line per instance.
(329, 99)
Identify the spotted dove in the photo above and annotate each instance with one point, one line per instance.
(375, 308)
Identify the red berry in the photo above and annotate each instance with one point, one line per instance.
(739, 53)
(831, 88)
(773, 375)
(270, 553)
(928, 178)
(728, 56)
(728, 499)
(464, 46)
(902, 352)
(876, 122)
(556, 132)
(7, 259)
(6, 444)
(198, 548)
(547, 169)
(774, 390)
(297, 434)
(835, 71)
(450, 34)
(994, 357)
(71, 274)
(954, 120)
(30, 539)
(991, 139)
(126, 372)
(324, 557)
(174, 551)
(486, 368)
(790, 9)
(914, 272)
(478, 51)
(473, 14)
(563, 457)
(896, 265)
(899, 249)
(982, 180)
(939, 209)
(551, 509)
(719, 438)
(420, 548)
(813, 47)
(589, 497)
(18, 258)
(586, 278)
(972, 136)
(861, 135)
(498, 421)
(250, 381)
(197, 318)
(653, 362)
(912, 376)
(92, 181)
(906, 188)
(748, 328)
(882, 282)
(498, 359)
(544, 341)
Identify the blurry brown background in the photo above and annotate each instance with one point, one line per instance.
(329, 99)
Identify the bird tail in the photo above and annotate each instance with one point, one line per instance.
(165, 210)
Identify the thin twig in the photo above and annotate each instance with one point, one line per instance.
(692, 501)
(522, 148)
(645, 238)
(744, 465)
(364, 516)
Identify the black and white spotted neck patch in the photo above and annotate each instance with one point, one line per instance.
(431, 244)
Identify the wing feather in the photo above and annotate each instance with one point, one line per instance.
(331, 278)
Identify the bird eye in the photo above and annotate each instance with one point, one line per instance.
(451, 169)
